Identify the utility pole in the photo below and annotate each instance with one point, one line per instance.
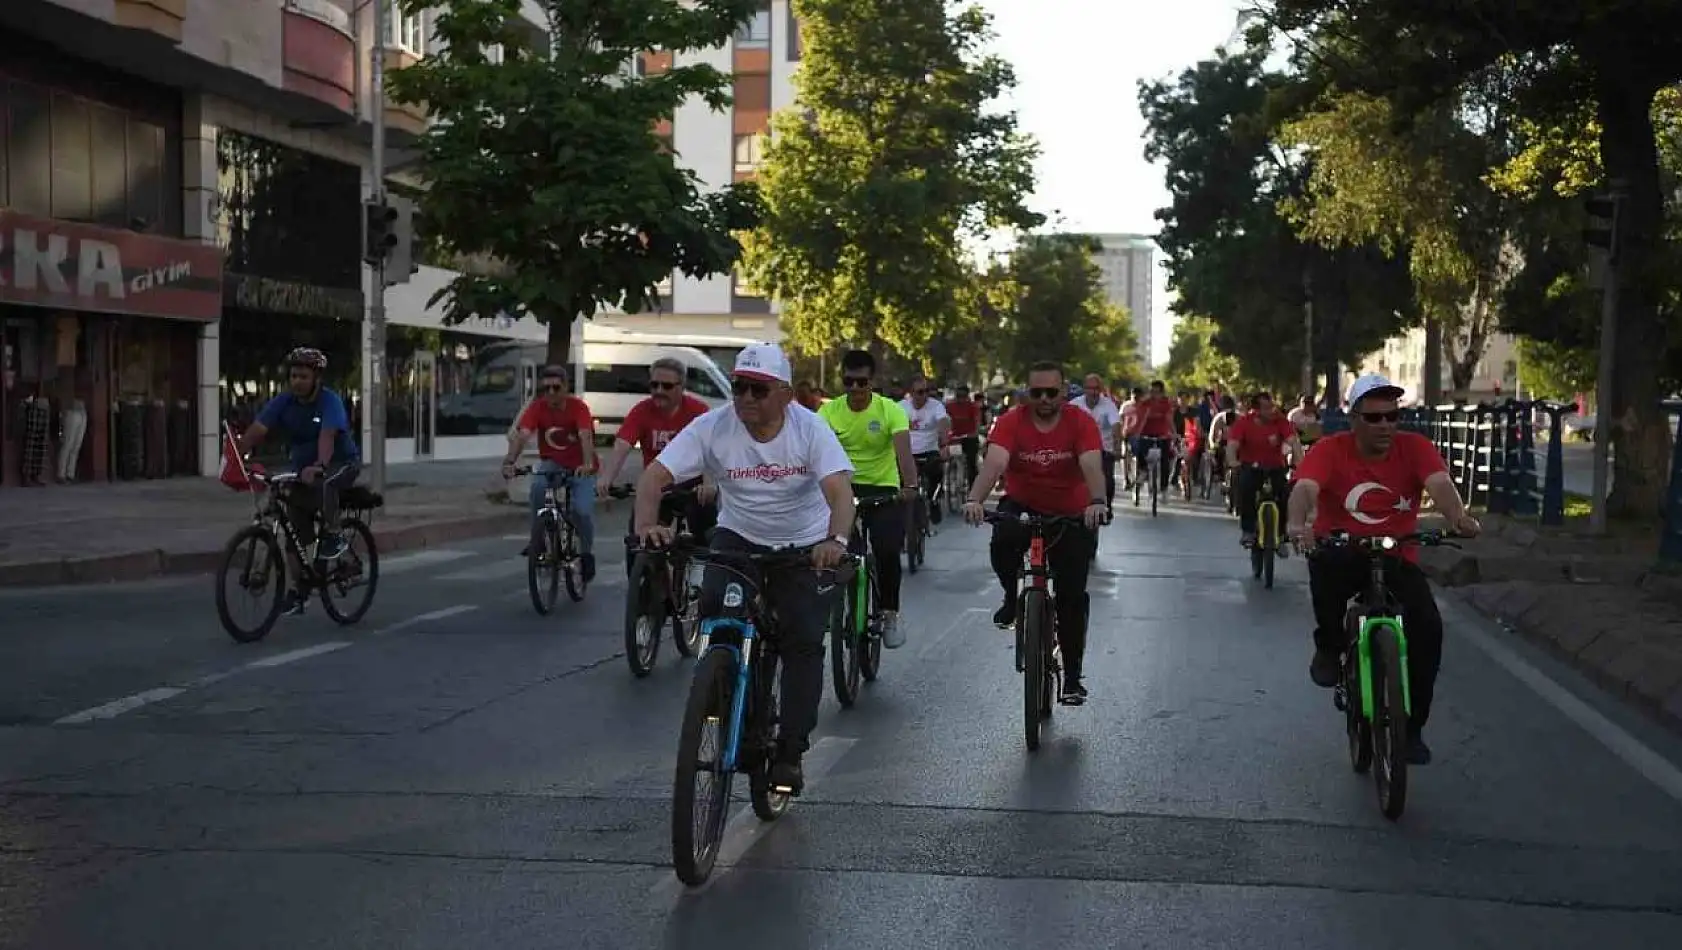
(1605, 214)
(373, 328)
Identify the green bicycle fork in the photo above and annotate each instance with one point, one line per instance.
(1363, 648)
(861, 584)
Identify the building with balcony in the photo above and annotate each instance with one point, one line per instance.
(1125, 262)
(1402, 359)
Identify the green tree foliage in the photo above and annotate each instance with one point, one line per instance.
(546, 162)
(1048, 300)
(1196, 362)
(1551, 371)
(894, 154)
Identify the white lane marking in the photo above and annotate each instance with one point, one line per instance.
(490, 571)
(119, 706)
(1651, 766)
(409, 562)
(293, 656)
(427, 617)
(965, 619)
(517, 537)
(744, 830)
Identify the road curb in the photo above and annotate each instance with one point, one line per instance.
(144, 564)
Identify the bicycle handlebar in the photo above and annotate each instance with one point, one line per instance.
(630, 491)
(569, 472)
(1383, 544)
(994, 516)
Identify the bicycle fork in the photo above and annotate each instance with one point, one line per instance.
(1363, 654)
(743, 657)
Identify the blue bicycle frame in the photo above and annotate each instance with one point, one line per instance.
(743, 657)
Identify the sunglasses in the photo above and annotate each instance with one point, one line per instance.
(662, 386)
(1374, 418)
(1045, 392)
(554, 387)
(753, 387)
(856, 382)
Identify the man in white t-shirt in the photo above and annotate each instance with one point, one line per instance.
(1103, 410)
(930, 425)
(783, 481)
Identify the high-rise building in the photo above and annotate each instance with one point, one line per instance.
(1126, 262)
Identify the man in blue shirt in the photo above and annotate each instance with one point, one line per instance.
(318, 428)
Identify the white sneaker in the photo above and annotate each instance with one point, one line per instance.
(892, 636)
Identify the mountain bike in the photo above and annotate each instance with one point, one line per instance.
(661, 588)
(1038, 657)
(255, 553)
(1206, 473)
(1152, 475)
(955, 486)
(735, 697)
(855, 627)
(1269, 540)
(554, 549)
(1373, 693)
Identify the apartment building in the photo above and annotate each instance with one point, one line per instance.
(1126, 262)
(1402, 358)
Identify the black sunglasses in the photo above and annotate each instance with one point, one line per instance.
(856, 382)
(743, 387)
(661, 385)
(1374, 418)
(1045, 392)
(554, 387)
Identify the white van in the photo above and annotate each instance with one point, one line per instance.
(616, 378)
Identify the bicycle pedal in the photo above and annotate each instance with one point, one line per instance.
(785, 790)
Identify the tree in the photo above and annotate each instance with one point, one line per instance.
(1551, 371)
(547, 161)
(892, 157)
(1049, 303)
(1196, 361)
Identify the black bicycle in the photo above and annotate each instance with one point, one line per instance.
(855, 628)
(1373, 692)
(255, 555)
(554, 548)
(734, 700)
(1038, 656)
(955, 485)
(661, 590)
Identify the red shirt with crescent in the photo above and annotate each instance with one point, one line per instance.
(1370, 497)
(560, 429)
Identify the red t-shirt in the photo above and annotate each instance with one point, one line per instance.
(1369, 497)
(1156, 418)
(646, 427)
(560, 429)
(1044, 473)
(966, 417)
(1261, 442)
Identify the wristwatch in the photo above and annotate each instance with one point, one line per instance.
(838, 539)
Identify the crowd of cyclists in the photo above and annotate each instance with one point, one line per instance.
(781, 466)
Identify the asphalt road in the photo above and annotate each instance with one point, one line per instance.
(459, 773)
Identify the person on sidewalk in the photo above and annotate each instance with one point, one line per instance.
(566, 448)
(1373, 477)
(322, 450)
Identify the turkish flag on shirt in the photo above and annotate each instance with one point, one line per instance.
(1370, 497)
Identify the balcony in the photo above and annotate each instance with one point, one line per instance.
(401, 117)
(163, 17)
(319, 52)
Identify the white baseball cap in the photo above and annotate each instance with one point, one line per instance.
(763, 361)
(1370, 385)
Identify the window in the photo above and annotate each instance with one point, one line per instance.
(408, 30)
(755, 33)
(664, 288)
(639, 65)
(1510, 371)
(493, 53)
(701, 384)
(621, 378)
(749, 150)
(793, 32)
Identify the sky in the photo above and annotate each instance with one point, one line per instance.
(1078, 66)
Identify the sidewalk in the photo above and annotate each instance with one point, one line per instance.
(1602, 604)
(80, 534)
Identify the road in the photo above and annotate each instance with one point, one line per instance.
(458, 773)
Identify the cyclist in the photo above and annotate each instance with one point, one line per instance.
(783, 481)
(1373, 476)
(1156, 417)
(1129, 431)
(929, 426)
(1260, 438)
(566, 448)
(966, 415)
(322, 450)
(651, 424)
(1307, 420)
(1107, 415)
(1050, 458)
(876, 436)
(1226, 414)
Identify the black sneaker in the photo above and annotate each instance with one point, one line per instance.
(934, 514)
(1418, 752)
(786, 775)
(295, 602)
(1074, 692)
(1325, 669)
(589, 567)
(1005, 617)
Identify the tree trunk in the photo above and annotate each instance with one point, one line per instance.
(1640, 427)
(1433, 361)
(560, 348)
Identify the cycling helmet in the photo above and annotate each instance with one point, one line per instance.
(307, 356)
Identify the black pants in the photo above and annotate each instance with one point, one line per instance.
(1068, 553)
(699, 517)
(886, 525)
(323, 494)
(931, 474)
(1109, 478)
(1336, 576)
(1249, 488)
(971, 447)
(802, 614)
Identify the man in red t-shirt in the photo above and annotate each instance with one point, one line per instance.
(566, 448)
(1258, 442)
(1373, 478)
(1154, 426)
(965, 413)
(1051, 457)
(651, 424)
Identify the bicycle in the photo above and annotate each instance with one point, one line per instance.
(1206, 473)
(660, 588)
(271, 530)
(1266, 547)
(1038, 657)
(553, 550)
(855, 629)
(1373, 692)
(735, 691)
(955, 486)
(1153, 471)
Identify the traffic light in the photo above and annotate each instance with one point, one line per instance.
(405, 257)
(379, 232)
(1602, 231)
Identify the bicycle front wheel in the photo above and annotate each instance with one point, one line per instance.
(253, 564)
(571, 565)
(701, 785)
(645, 615)
(543, 565)
(1033, 614)
(844, 649)
(1390, 723)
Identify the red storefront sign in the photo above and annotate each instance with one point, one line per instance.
(68, 266)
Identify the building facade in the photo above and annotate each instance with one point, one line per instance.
(1126, 262)
(1402, 358)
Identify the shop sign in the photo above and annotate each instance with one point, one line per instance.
(67, 266)
(268, 295)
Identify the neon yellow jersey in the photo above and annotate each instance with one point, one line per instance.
(868, 437)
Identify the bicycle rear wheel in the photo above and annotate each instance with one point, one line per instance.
(844, 649)
(645, 615)
(350, 570)
(914, 538)
(684, 607)
(698, 816)
(1389, 724)
(543, 565)
(1033, 613)
(260, 570)
(570, 563)
(768, 804)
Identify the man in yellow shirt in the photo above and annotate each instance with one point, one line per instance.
(876, 435)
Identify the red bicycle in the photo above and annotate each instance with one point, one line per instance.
(1038, 658)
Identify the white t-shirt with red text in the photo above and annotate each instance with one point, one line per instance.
(768, 492)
